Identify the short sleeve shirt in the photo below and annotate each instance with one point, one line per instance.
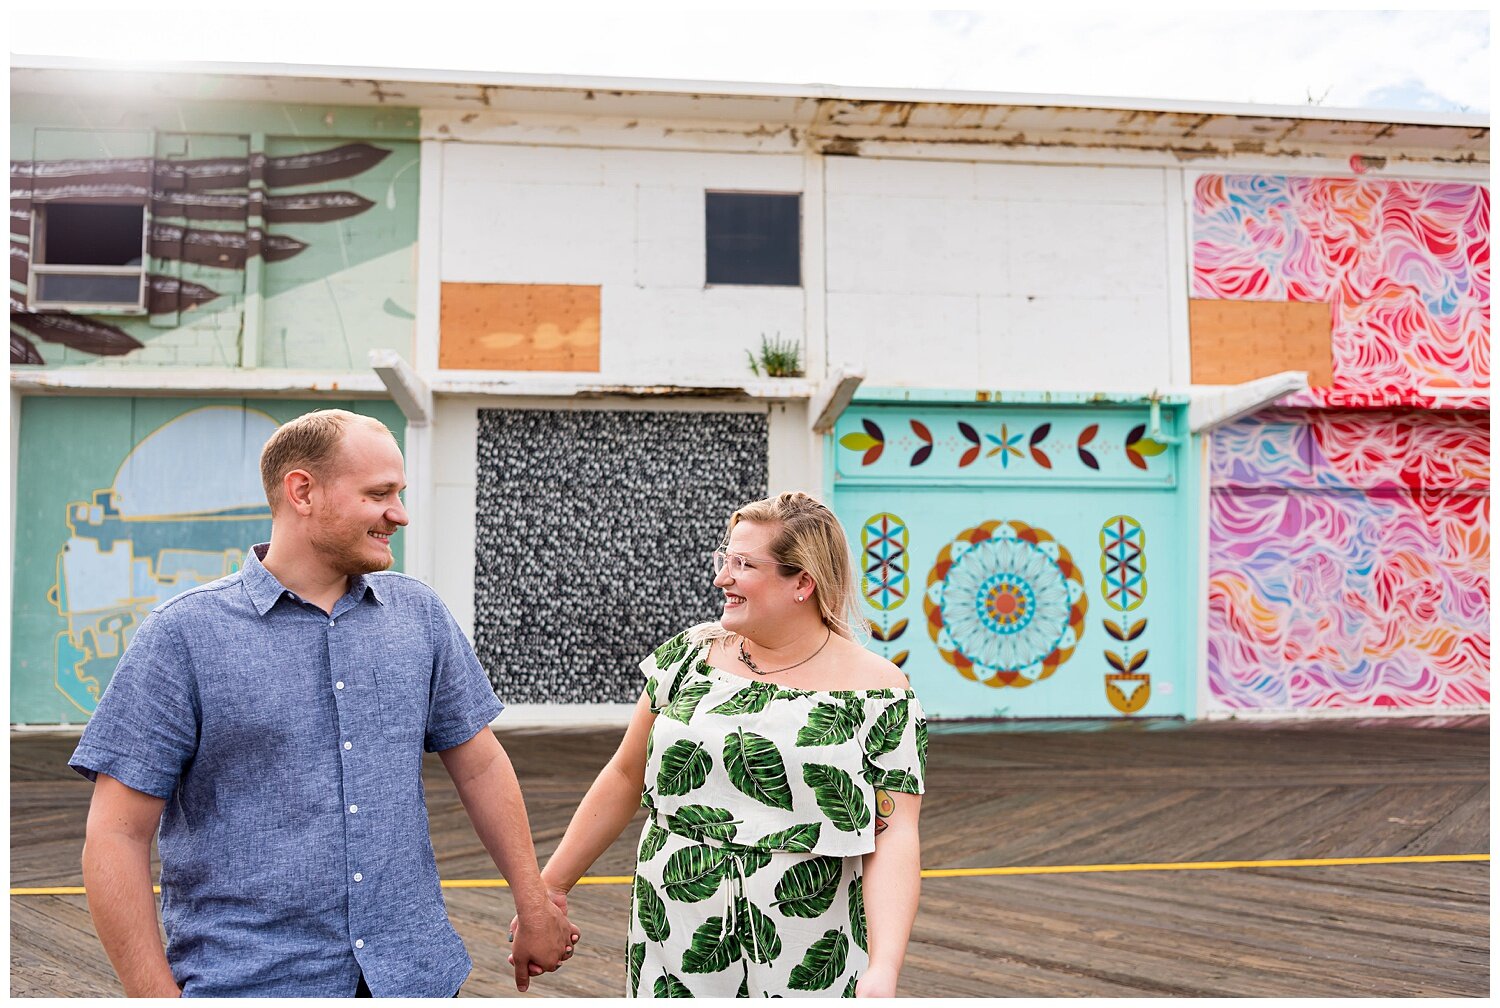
(287, 742)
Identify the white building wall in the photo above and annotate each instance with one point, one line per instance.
(1006, 275)
(631, 222)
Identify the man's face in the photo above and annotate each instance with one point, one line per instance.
(357, 506)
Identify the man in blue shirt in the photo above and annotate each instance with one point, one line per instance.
(273, 724)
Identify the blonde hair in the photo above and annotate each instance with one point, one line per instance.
(809, 539)
(310, 441)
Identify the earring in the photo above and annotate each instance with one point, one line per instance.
(799, 598)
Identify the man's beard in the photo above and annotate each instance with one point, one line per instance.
(347, 559)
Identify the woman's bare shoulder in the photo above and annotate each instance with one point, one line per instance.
(872, 671)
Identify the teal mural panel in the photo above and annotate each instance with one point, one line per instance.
(121, 504)
(1023, 561)
(276, 236)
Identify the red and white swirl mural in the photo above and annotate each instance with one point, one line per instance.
(1349, 545)
(1403, 266)
(1349, 561)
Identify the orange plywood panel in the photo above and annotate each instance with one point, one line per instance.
(1236, 341)
(519, 327)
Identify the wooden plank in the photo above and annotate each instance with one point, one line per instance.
(519, 327)
(1005, 794)
(1237, 341)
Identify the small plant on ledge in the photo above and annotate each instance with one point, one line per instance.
(777, 359)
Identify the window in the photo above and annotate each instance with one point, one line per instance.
(754, 238)
(88, 256)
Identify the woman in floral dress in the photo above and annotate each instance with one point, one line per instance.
(781, 765)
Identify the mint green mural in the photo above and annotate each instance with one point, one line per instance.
(275, 236)
(1003, 553)
(122, 504)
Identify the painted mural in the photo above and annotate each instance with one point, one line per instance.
(1348, 543)
(981, 517)
(125, 504)
(1403, 266)
(268, 250)
(1349, 562)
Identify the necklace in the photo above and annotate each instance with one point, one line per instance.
(745, 657)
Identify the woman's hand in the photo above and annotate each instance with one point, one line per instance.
(559, 899)
(876, 982)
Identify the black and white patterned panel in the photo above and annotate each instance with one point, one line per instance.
(593, 530)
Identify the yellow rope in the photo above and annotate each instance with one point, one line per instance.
(966, 872)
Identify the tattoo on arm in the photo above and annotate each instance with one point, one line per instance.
(885, 807)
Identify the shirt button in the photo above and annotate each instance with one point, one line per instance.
(330, 622)
(359, 943)
(339, 684)
(353, 809)
(348, 745)
(358, 877)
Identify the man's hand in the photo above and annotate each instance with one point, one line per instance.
(541, 939)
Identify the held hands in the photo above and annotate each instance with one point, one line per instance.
(542, 940)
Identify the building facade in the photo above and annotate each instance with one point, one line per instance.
(1128, 410)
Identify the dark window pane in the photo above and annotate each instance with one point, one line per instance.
(754, 239)
(81, 234)
(88, 289)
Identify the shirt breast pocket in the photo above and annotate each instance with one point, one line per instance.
(401, 695)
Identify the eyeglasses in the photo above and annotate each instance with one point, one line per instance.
(739, 563)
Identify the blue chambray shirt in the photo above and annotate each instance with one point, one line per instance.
(288, 745)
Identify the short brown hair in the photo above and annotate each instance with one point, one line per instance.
(311, 442)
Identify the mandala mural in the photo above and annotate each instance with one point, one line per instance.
(1005, 604)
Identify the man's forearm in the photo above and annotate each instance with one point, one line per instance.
(117, 877)
(492, 798)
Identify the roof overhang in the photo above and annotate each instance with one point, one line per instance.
(832, 119)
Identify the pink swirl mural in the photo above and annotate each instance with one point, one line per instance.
(1349, 561)
(1403, 266)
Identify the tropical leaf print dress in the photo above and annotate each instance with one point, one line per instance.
(761, 799)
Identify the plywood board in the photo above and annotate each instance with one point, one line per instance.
(1237, 341)
(519, 327)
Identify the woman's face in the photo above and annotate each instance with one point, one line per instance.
(758, 592)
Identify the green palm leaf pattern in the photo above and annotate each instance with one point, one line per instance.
(652, 843)
(633, 963)
(672, 651)
(808, 887)
(757, 932)
(823, 964)
(857, 913)
(799, 839)
(838, 796)
(885, 733)
(651, 692)
(752, 860)
(703, 821)
(684, 766)
(898, 780)
(755, 769)
(744, 991)
(686, 701)
(693, 873)
(712, 949)
(750, 700)
(922, 747)
(668, 986)
(787, 693)
(827, 724)
(651, 911)
(850, 986)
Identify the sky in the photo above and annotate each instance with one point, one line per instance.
(1433, 61)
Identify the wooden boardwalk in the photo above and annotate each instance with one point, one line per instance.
(1006, 795)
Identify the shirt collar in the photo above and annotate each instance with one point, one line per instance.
(265, 591)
